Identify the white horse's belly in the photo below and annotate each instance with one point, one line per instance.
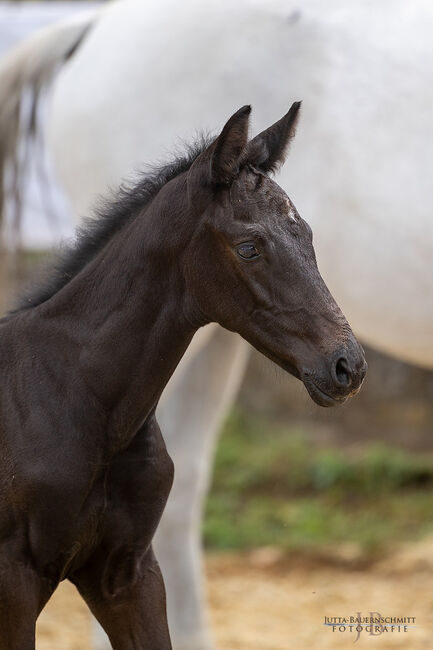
(152, 72)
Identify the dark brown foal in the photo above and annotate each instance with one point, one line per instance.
(84, 473)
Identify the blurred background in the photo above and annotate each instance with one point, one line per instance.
(311, 512)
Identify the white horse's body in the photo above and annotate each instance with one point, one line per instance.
(360, 173)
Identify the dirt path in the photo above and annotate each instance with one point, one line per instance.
(262, 603)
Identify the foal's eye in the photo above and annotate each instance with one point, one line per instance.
(247, 251)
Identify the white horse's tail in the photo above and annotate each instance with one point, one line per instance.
(26, 71)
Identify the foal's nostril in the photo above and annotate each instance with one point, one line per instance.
(343, 375)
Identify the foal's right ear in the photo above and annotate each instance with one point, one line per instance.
(226, 151)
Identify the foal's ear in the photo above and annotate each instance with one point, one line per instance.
(226, 151)
(267, 151)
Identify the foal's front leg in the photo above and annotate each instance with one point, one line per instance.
(121, 582)
(135, 617)
(23, 594)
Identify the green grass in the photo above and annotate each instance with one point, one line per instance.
(271, 487)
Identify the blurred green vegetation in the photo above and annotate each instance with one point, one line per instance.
(272, 487)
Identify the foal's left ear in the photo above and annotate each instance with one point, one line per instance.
(267, 151)
(227, 149)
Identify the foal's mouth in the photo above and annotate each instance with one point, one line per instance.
(319, 396)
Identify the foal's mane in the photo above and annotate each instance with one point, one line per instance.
(110, 216)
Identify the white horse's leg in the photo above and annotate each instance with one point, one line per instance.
(191, 419)
(190, 415)
(100, 640)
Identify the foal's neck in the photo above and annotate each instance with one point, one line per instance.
(127, 311)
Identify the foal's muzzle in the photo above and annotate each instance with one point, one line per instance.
(340, 376)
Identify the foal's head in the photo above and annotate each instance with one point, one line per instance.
(251, 265)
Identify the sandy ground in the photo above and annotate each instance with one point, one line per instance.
(261, 601)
